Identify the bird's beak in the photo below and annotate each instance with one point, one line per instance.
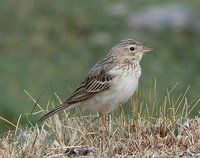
(145, 49)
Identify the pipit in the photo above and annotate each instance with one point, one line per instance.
(111, 82)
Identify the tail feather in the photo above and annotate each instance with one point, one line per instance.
(57, 109)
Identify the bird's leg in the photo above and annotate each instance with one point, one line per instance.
(110, 121)
(103, 120)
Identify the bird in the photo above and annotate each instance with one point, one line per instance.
(110, 82)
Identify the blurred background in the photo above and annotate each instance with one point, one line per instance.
(49, 46)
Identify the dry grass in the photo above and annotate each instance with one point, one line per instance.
(171, 134)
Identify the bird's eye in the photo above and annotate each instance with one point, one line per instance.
(132, 48)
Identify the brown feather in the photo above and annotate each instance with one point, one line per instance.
(98, 80)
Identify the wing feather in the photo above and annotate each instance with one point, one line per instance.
(99, 79)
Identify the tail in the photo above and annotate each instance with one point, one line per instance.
(57, 109)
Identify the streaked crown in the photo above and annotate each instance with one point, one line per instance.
(129, 48)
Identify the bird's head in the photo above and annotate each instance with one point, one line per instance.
(129, 48)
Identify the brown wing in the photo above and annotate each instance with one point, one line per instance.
(89, 87)
(98, 80)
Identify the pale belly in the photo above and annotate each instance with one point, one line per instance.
(119, 93)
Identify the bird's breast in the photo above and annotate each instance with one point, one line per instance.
(125, 87)
(121, 89)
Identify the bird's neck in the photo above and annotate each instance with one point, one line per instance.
(133, 60)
